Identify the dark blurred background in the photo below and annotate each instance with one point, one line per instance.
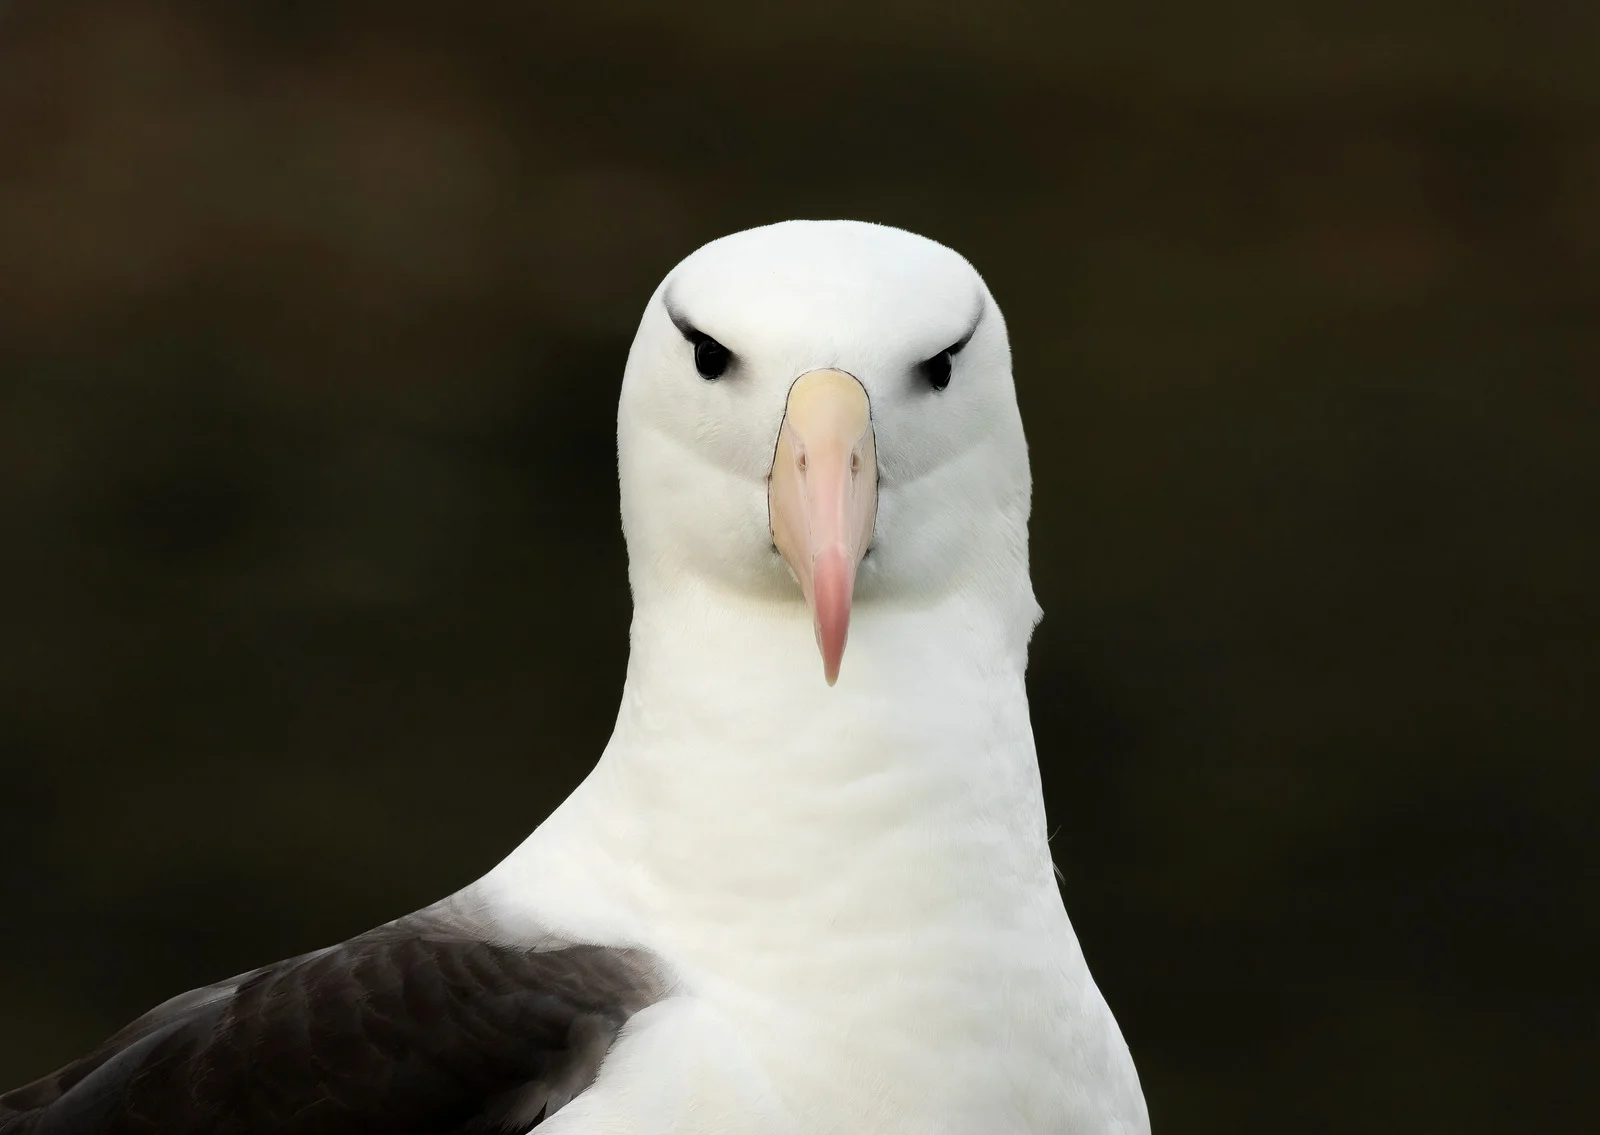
(305, 309)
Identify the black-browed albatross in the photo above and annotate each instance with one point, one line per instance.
(783, 901)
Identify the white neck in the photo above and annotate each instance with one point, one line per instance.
(843, 873)
(736, 779)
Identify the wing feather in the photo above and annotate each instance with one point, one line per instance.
(425, 1025)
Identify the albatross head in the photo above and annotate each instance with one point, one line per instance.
(820, 415)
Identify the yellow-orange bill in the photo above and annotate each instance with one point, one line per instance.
(822, 499)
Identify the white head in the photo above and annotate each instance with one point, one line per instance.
(828, 404)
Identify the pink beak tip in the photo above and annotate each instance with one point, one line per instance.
(832, 654)
(833, 583)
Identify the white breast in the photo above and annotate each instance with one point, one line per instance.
(853, 886)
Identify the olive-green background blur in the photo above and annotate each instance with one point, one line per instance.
(312, 595)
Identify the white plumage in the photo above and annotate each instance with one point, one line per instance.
(851, 885)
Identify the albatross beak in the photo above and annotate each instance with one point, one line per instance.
(822, 499)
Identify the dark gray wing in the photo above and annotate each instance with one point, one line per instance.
(421, 1026)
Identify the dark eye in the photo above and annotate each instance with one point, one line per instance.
(937, 369)
(710, 357)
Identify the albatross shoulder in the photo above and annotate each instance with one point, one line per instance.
(426, 1024)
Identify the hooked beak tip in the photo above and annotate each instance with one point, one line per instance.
(833, 585)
